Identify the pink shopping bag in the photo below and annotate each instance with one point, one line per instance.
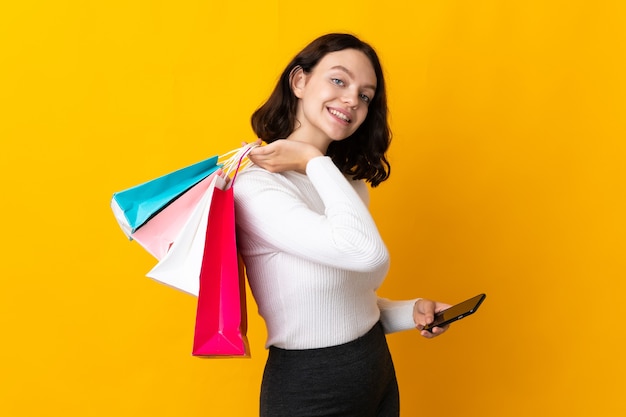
(158, 234)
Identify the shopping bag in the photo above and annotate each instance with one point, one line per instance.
(134, 206)
(192, 250)
(158, 234)
(180, 266)
(221, 326)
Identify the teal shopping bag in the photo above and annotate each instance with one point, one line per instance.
(136, 205)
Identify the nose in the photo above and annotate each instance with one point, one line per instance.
(351, 97)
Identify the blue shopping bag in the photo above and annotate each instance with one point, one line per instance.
(136, 205)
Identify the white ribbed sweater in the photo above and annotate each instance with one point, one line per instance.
(314, 257)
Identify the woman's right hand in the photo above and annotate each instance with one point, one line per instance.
(284, 155)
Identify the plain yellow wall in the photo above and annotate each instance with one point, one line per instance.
(508, 178)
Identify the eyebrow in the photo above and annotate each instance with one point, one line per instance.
(347, 71)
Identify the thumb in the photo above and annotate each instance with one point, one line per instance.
(427, 308)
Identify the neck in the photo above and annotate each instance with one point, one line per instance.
(320, 142)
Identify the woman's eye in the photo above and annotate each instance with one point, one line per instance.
(365, 98)
(337, 81)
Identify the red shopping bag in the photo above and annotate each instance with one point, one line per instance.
(221, 324)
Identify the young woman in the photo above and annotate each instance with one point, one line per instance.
(313, 254)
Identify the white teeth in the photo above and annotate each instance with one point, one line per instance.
(340, 115)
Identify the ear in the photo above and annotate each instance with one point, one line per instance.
(298, 81)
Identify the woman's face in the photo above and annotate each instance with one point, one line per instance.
(334, 97)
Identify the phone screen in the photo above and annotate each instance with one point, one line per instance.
(457, 311)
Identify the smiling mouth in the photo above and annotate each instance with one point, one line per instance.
(339, 115)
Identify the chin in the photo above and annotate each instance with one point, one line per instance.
(339, 137)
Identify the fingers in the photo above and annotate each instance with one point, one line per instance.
(256, 143)
(254, 153)
(221, 173)
(261, 150)
(424, 314)
(434, 332)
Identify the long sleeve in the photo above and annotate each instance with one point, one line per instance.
(314, 257)
(396, 316)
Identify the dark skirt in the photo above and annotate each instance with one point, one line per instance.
(353, 379)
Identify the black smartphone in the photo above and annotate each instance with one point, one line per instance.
(457, 312)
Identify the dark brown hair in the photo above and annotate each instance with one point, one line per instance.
(362, 155)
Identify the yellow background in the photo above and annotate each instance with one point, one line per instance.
(508, 178)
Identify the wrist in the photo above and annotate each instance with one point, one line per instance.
(310, 156)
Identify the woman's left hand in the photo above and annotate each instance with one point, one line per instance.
(424, 313)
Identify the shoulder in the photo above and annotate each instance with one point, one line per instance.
(253, 173)
(254, 181)
(254, 176)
